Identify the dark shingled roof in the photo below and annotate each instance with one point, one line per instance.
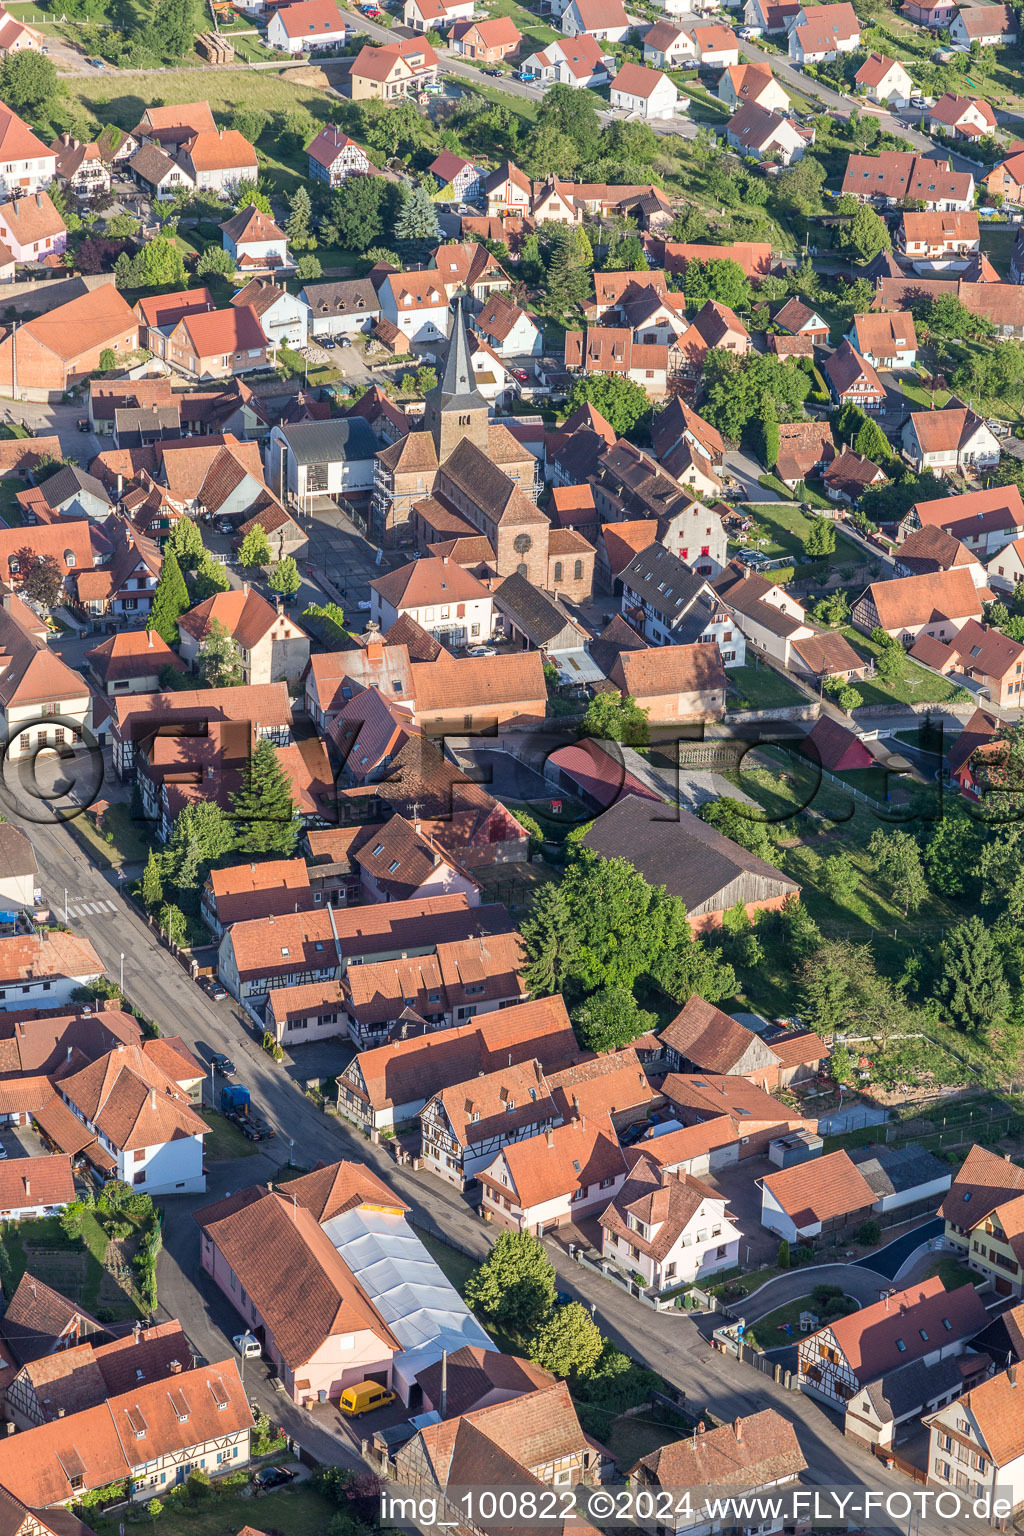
(673, 848)
(660, 578)
(321, 442)
(893, 1170)
(905, 1391)
(535, 612)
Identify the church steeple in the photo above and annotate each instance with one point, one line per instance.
(455, 408)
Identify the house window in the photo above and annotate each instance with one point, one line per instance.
(558, 570)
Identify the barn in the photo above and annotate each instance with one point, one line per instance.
(835, 746)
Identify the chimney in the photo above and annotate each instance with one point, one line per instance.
(136, 1331)
(245, 589)
(61, 1412)
(175, 1368)
(39, 199)
(444, 1383)
(444, 559)
(549, 1137)
(737, 1429)
(1013, 1375)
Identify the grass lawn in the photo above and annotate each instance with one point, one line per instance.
(770, 1330)
(131, 840)
(760, 688)
(535, 33)
(917, 686)
(951, 1272)
(74, 1267)
(786, 528)
(225, 1141)
(299, 1510)
(10, 512)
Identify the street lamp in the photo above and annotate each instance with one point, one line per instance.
(65, 906)
(122, 974)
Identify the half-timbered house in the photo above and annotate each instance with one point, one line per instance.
(465, 1126)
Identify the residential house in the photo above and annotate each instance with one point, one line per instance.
(425, 15)
(333, 156)
(707, 871)
(43, 703)
(679, 682)
(272, 648)
(701, 1038)
(894, 175)
(933, 549)
(990, 26)
(540, 1183)
(316, 460)
(402, 861)
(1005, 569)
(70, 493)
(159, 173)
(765, 135)
(647, 92)
(171, 126)
(457, 177)
(984, 1216)
(611, 349)
(976, 1443)
(769, 18)
(417, 304)
(823, 32)
(768, 617)
(852, 380)
(603, 20)
(158, 316)
(17, 37)
(509, 330)
(283, 317)
(474, 1378)
(715, 46)
(341, 309)
(20, 871)
(805, 448)
(953, 440)
(32, 1187)
(936, 15)
(935, 237)
(659, 590)
(31, 228)
(141, 717)
(218, 343)
(882, 80)
(887, 339)
(488, 41)
(26, 165)
(241, 892)
(849, 476)
(749, 1457)
(122, 590)
(964, 117)
(1007, 181)
(938, 605)
(254, 241)
(741, 84)
(146, 1439)
(306, 26)
(922, 1322)
(666, 45)
(80, 167)
(984, 521)
(577, 61)
(476, 692)
(715, 327)
(387, 73)
(469, 268)
(668, 1227)
(822, 1195)
(465, 1125)
(443, 598)
(389, 1085)
(218, 162)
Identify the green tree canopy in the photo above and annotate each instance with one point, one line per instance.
(622, 402)
(866, 235)
(821, 537)
(948, 316)
(611, 718)
(186, 540)
(266, 819)
(515, 1284)
(724, 281)
(218, 660)
(28, 83)
(284, 577)
(574, 114)
(972, 984)
(842, 989)
(249, 194)
(897, 863)
(568, 1343)
(743, 824)
(159, 264)
(872, 443)
(737, 389)
(611, 1019)
(170, 599)
(417, 218)
(216, 262)
(363, 210)
(255, 548)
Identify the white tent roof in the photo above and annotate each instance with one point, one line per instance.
(421, 1307)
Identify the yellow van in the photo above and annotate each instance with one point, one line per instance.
(363, 1397)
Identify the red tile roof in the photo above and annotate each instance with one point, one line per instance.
(757, 1451)
(823, 1189)
(916, 1317)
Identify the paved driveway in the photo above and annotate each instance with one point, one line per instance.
(853, 1280)
(889, 1261)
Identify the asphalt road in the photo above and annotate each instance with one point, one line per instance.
(670, 1343)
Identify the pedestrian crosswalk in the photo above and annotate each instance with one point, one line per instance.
(90, 908)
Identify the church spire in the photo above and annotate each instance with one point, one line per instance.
(455, 408)
(458, 386)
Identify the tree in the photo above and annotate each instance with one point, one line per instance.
(28, 83)
(872, 443)
(770, 441)
(255, 548)
(839, 877)
(250, 122)
(108, 360)
(123, 226)
(363, 211)
(300, 218)
(249, 195)
(264, 811)
(601, 926)
(583, 251)
(622, 402)
(218, 660)
(568, 276)
(611, 718)
(840, 1065)
(866, 235)
(842, 988)
(782, 1257)
(897, 863)
(972, 984)
(173, 28)
(611, 1019)
(308, 269)
(43, 580)
(154, 1509)
(152, 887)
(891, 662)
(625, 252)
(692, 965)
(952, 852)
(821, 537)
(210, 578)
(186, 541)
(568, 1343)
(417, 218)
(833, 610)
(284, 577)
(798, 189)
(202, 833)
(723, 281)
(574, 114)
(737, 389)
(515, 1284)
(743, 824)
(170, 600)
(159, 264)
(173, 924)
(216, 262)
(948, 316)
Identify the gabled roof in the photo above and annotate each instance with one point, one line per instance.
(573, 1156)
(251, 223)
(94, 320)
(428, 582)
(224, 150)
(823, 1189)
(917, 600)
(670, 670)
(342, 1186)
(886, 333)
(995, 1408)
(637, 80)
(985, 1180)
(921, 1318)
(758, 1451)
(713, 1041)
(131, 1100)
(235, 329)
(473, 1374)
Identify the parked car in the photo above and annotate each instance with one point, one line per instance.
(83, 424)
(494, 73)
(327, 342)
(224, 1065)
(345, 341)
(96, 63)
(225, 526)
(272, 1477)
(520, 375)
(481, 650)
(214, 988)
(364, 605)
(248, 1346)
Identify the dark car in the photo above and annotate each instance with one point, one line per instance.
(214, 988)
(495, 73)
(272, 1477)
(327, 342)
(224, 1065)
(83, 424)
(224, 526)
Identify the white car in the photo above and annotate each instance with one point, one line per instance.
(248, 1346)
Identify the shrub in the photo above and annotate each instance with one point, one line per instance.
(869, 1232)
